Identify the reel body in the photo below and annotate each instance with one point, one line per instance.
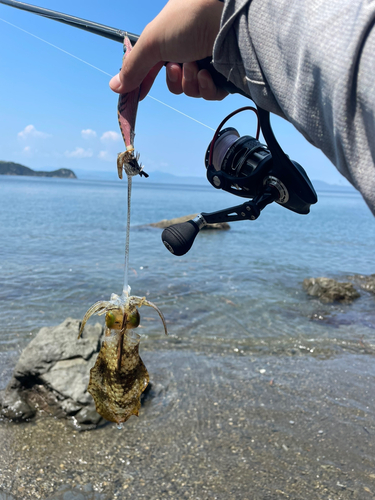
(244, 167)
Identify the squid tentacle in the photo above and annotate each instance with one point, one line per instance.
(99, 308)
(140, 301)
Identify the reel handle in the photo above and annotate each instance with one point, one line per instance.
(179, 238)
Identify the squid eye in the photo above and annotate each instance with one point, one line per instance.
(133, 319)
(110, 319)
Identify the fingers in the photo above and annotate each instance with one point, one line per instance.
(190, 84)
(174, 78)
(193, 82)
(208, 89)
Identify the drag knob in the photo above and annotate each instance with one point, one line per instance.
(179, 238)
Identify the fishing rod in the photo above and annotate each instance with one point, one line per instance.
(98, 29)
(241, 166)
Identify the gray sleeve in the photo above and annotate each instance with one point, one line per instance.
(313, 63)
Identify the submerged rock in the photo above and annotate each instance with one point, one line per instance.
(365, 282)
(52, 375)
(329, 290)
(80, 492)
(169, 222)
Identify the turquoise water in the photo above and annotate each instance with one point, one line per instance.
(63, 249)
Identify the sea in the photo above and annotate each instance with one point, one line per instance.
(237, 295)
(63, 248)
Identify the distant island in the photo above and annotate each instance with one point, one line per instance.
(10, 168)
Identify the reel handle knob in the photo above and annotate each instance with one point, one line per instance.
(179, 238)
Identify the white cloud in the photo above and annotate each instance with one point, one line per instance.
(88, 133)
(28, 151)
(110, 136)
(31, 131)
(79, 153)
(106, 156)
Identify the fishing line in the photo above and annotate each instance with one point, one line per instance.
(98, 69)
(181, 113)
(222, 145)
(55, 46)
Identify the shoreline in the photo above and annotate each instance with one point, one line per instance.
(219, 426)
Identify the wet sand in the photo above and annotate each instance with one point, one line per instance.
(216, 426)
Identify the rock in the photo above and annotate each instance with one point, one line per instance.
(87, 416)
(86, 492)
(69, 407)
(52, 374)
(169, 222)
(55, 344)
(70, 378)
(329, 290)
(6, 496)
(16, 408)
(365, 282)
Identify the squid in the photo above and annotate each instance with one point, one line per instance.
(119, 375)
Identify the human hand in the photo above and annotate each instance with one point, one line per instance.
(183, 32)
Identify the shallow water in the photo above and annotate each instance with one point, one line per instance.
(248, 351)
(63, 248)
(220, 426)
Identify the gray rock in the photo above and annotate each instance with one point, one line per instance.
(52, 374)
(85, 492)
(329, 290)
(55, 344)
(73, 495)
(70, 378)
(14, 407)
(169, 222)
(6, 496)
(365, 282)
(87, 416)
(70, 407)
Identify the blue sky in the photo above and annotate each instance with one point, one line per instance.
(57, 112)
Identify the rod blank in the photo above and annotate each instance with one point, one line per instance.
(96, 28)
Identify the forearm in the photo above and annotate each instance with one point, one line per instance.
(313, 63)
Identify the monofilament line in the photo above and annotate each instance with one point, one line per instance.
(101, 71)
(181, 113)
(125, 291)
(55, 47)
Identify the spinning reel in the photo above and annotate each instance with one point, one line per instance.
(244, 167)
